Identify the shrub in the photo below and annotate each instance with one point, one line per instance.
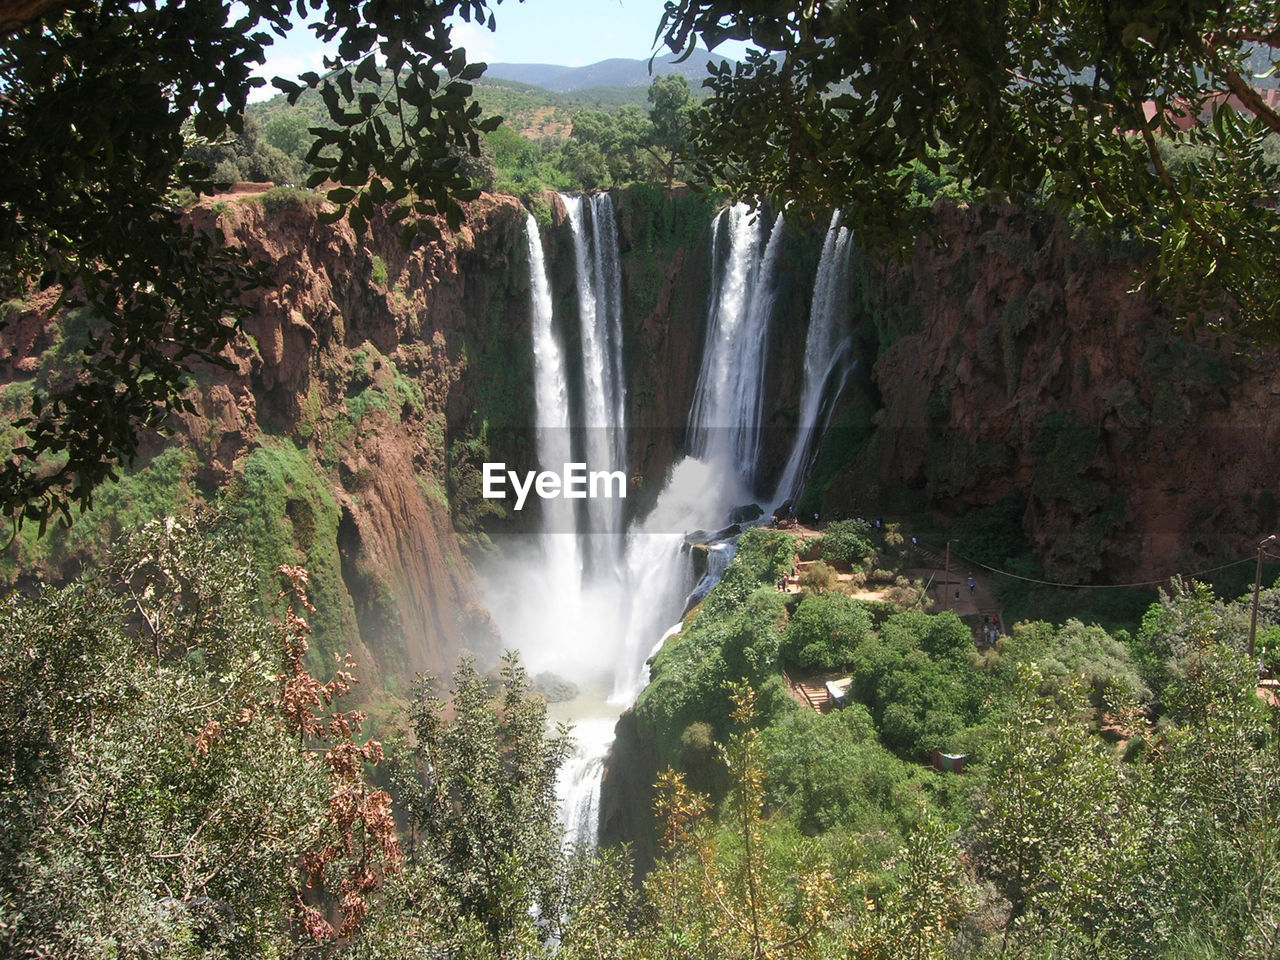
(379, 273)
(829, 771)
(146, 704)
(825, 631)
(279, 199)
(818, 578)
(847, 541)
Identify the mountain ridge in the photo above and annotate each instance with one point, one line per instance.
(613, 72)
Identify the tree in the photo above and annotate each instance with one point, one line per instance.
(585, 152)
(825, 630)
(670, 113)
(1062, 104)
(1050, 821)
(96, 100)
(246, 156)
(818, 577)
(289, 131)
(604, 149)
(730, 899)
(486, 877)
(166, 762)
(1168, 854)
(847, 541)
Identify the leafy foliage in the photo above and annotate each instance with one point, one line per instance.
(730, 897)
(847, 541)
(480, 797)
(159, 773)
(605, 149)
(842, 104)
(831, 772)
(91, 209)
(671, 116)
(247, 156)
(1051, 803)
(825, 630)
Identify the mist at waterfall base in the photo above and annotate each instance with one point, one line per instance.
(585, 598)
(596, 626)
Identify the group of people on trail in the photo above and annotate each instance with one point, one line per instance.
(991, 630)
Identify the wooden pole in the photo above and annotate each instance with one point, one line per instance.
(1257, 588)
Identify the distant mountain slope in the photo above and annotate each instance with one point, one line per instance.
(537, 100)
(607, 73)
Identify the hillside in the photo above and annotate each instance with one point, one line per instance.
(536, 101)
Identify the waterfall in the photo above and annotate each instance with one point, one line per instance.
(603, 414)
(552, 425)
(826, 358)
(578, 786)
(723, 438)
(563, 594)
(596, 621)
(725, 418)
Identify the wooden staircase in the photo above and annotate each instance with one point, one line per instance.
(815, 695)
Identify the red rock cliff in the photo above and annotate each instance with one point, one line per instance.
(1013, 360)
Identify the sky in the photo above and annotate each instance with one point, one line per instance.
(573, 33)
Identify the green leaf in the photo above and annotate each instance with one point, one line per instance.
(367, 71)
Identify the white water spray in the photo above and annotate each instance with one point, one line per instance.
(725, 419)
(603, 414)
(559, 539)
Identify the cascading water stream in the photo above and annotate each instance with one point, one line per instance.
(828, 346)
(725, 418)
(596, 624)
(723, 437)
(559, 539)
(599, 287)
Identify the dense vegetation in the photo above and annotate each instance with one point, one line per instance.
(840, 105)
(547, 141)
(175, 783)
(1105, 772)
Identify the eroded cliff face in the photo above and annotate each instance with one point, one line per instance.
(328, 437)
(368, 359)
(1012, 361)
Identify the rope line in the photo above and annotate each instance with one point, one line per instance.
(1099, 586)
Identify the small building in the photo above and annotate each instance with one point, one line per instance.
(949, 762)
(838, 691)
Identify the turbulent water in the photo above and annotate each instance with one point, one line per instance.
(596, 623)
(725, 419)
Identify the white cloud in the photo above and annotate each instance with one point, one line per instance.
(478, 40)
(289, 56)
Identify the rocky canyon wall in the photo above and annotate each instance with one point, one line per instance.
(1011, 362)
